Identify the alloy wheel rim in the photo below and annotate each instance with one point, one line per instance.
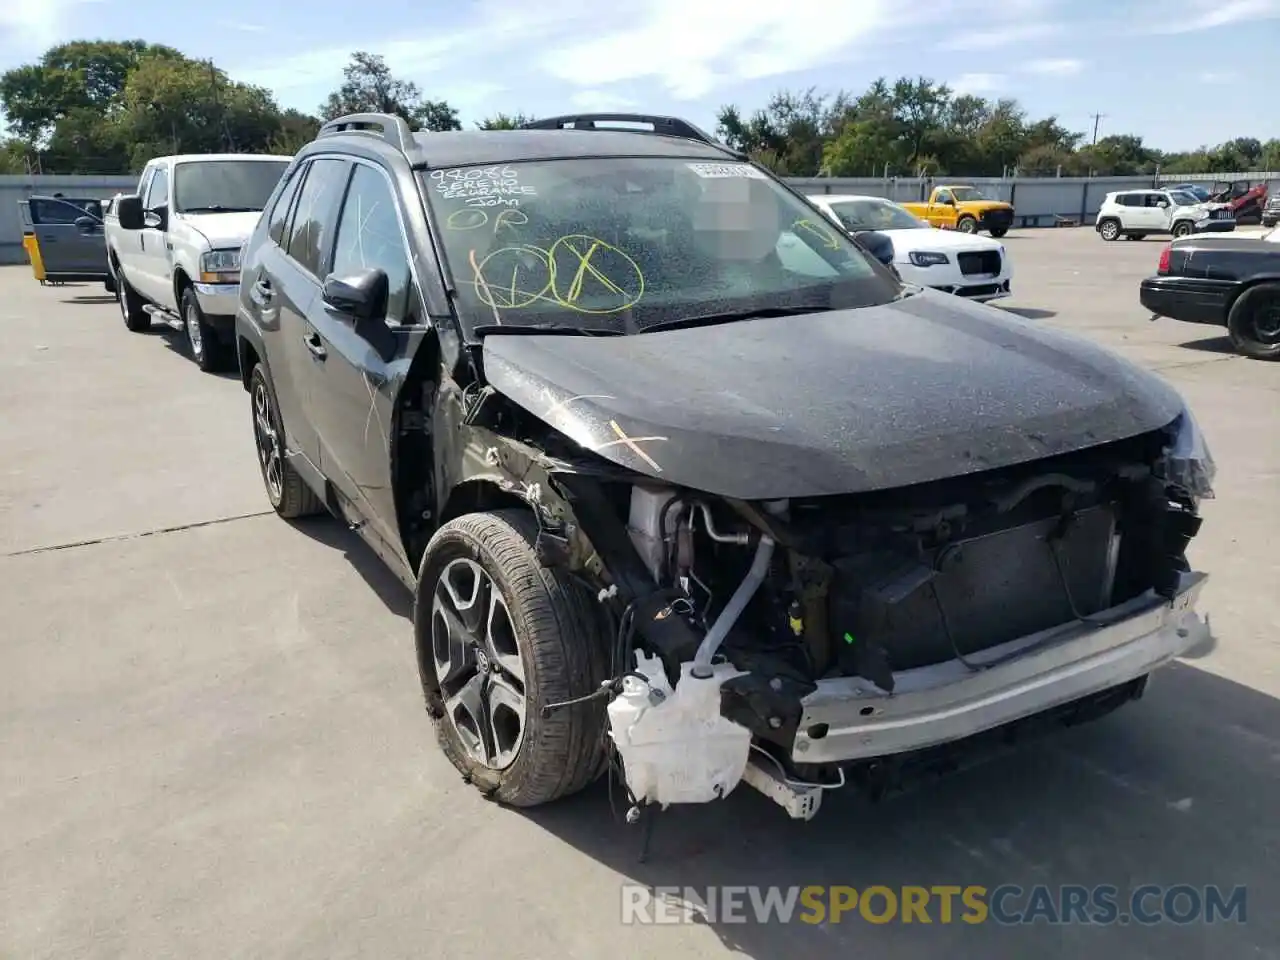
(1110, 230)
(1266, 321)
(270, 457)
(124, 309)
(193, 331)
(477, 663)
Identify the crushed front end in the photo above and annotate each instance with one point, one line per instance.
(845, 632)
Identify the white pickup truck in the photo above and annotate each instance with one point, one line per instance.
(173, 248)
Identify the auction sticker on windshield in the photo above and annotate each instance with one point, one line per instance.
(720, 171)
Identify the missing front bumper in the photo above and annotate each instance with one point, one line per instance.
(848, 719)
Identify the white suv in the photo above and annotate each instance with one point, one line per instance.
(1137, 213)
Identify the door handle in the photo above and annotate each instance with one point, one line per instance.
(315, 345)
(261, 292)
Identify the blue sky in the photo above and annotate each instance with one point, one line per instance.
(1178, 72)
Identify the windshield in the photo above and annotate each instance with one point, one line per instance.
(620, 244)
(227, 186)
(1183, 199)
(875, 215)
(965, 194)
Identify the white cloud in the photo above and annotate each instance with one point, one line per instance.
(1197, 15)
(977, 83)
(1218, 76)
(1002, 36)
(1059, 67)
(693, 49)
(601, 101)
(31, 27)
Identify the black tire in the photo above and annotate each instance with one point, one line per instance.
(998, 232)
(136, 319)
(1183, 228)
(1109, 229)
(1253, 322)
(967, 225)
(209, 353)
(290, 496)
(560, 637)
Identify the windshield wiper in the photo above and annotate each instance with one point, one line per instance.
(219, 208)
(707, 319)
(553, 329)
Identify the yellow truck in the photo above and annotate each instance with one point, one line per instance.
(964, 208)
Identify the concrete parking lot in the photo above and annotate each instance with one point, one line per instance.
(212, 742)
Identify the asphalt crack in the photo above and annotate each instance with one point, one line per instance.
(116, 538)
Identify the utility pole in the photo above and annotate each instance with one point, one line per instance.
(1097, 118)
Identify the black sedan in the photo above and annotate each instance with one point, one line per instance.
(1232, 282)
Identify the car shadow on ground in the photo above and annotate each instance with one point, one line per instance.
(91, 298)
(1178, 788)
(1210, 345)
(176, 341)
(333, 533)
(1031, 313)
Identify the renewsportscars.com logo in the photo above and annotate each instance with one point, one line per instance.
(1007, 905)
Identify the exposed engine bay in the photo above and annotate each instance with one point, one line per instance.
(757, 604)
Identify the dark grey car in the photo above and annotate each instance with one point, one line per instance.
(595, 394)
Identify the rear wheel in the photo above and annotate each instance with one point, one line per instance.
(500, 637)
(1254, 322)
(1109, 229)
(288, 492)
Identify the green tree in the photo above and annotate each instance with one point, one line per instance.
(185, 106)
(503, 121)
(81, 75)
(368, 86)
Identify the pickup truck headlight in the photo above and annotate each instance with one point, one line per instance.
(1187, 463)
(220, 266)
(927, 259)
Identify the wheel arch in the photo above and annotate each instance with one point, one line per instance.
(1249, 284)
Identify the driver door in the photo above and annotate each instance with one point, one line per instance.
(942, 210)
(1157, 212)
(360, 363)
(64, 248)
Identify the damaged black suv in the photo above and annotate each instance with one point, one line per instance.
(631, 419)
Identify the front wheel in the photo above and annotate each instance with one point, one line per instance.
(1182, 228)
(206, 349)
(998, 232)
(499, 638)
(1254, 322)
(136, 318)
(967, 225)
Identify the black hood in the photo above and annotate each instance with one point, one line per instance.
(922, 389)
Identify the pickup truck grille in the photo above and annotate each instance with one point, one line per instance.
(978, 263)
(997, 219)
(1224, 214)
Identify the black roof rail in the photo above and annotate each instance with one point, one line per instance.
(662, 126)
(385, 126)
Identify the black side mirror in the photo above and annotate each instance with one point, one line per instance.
(876, 244)
(129, 210)
(361, 295)
(86, 226)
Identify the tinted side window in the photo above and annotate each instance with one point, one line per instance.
(311, 233)
(158, 193)
(280, 212)
(369, 236)
(53, 211)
